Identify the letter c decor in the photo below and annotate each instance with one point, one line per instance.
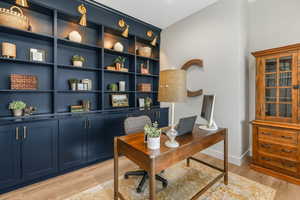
(186, 66)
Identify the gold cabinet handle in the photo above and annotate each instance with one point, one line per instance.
(17, 133)
(25, 132)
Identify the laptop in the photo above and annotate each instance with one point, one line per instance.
(185, 125)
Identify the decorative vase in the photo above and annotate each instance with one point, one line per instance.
(18, 113)
(118, 66)
(75, 36)
(153, 143)
(77, 63)
(119, 47)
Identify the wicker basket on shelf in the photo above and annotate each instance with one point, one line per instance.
(14, 18)
(23, 82)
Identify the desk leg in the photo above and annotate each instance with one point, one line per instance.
(116, 169)
(226, 157)
(152, 193)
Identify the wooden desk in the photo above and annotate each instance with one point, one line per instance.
(133, 147)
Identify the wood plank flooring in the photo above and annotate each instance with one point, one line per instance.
(64, 186)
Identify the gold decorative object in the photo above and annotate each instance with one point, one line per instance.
(22, 3)
(82, 10)
(122, 24)
(14, 18)
(9, 50)
(154, 38)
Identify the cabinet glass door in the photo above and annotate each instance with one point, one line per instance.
(278, 75)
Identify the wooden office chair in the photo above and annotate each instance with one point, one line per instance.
(135, 125)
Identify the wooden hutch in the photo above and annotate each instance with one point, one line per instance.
(276, 129)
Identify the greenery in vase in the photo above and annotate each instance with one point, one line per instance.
(17, 105)
(120, 60)
(78, 58)
(152, 131)
(73, 80)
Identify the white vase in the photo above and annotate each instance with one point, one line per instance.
(18, 113)
(119, 47)
(77, 63)
(153, 143)
(75, 36)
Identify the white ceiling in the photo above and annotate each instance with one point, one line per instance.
(161, 13)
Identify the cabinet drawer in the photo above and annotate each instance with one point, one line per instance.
(280, 150)
(277, 163)
(278, 135)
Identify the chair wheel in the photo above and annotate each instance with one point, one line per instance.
(165, 185)
(126, 176)
(138, 190)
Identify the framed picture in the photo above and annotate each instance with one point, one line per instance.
(141, 102)
(37, 55)
(119, 100)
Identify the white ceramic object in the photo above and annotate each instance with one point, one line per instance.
(77, 63)
(145, 51)
(18, 113)
(119, 47)
(122, 85)
(74, 86)
(153, 143)
(88, 82)
(75, 36)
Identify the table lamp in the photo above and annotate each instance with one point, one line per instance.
(172, 89)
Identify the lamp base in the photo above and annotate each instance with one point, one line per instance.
(170, 144)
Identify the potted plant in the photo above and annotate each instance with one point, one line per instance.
(73, 83)
(148, 102)
(119, 62)
(153, 136)
(78, 61)
(17, 108)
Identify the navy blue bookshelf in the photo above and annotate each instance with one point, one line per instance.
(50, 28)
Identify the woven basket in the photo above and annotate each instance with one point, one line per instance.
(23, 82)
(145, 51)
(14, 18)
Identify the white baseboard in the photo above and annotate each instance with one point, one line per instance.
(220, 155)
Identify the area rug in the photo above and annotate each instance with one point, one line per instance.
(184, 182)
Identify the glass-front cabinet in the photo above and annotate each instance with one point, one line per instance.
(277, 87)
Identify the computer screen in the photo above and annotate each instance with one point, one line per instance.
(207, 107)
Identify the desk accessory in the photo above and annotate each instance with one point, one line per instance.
(9, 50)
(172, 88)
(153, 136)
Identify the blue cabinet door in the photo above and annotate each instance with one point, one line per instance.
(96, 143)
(10, 168)
(39, 149)
(72, 142)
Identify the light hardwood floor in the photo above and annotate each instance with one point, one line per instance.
(64, 186)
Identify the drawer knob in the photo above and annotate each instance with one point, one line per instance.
(286, 137)
(266, 146)
(287, 151)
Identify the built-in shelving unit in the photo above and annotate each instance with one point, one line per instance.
(50, 29)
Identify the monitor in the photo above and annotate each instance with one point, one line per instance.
(207, 112)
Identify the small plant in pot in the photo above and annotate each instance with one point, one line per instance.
(17, 108)
(119, 62)
(153, 136)
(78, 61)
(73, 83)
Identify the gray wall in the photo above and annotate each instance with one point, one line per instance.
(217, 35)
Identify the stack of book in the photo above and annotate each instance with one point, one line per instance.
(77, 108)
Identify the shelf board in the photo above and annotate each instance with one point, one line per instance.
(78, 91)
(21, 61)
(146, 92)
(24, 33)
(149, 75)
(111, 51)
(119, 92)
(77, 44)
(117, 72)
(148, 58)
(71, 67)
(26, 91)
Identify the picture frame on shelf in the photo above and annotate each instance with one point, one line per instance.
(119, 100)
(37, 55)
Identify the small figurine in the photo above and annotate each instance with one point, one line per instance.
(29, 110)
